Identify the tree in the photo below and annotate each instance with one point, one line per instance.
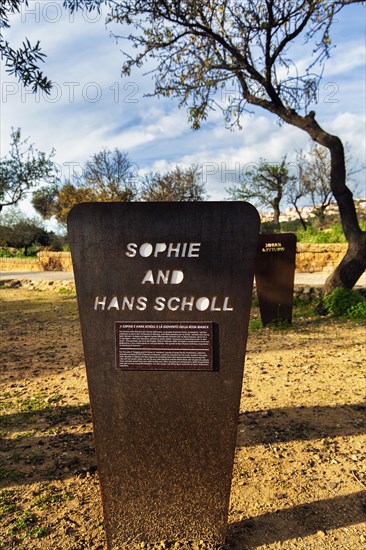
(44, 200)
(111, 175)
(69, 195)
(295, 193)
(107, 176)
(265, 186)
(19, 231)
(23, 62)
(315, 177)
(178, 184)
(199, 47)
(22, 169)
(26, 233)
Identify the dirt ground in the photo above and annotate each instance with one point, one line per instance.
(299, 479)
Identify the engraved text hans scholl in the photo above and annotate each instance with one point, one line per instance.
(150, 277)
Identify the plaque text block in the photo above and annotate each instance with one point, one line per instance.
(164, 346)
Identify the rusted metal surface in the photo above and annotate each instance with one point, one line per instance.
(164, 439)
(274, 276)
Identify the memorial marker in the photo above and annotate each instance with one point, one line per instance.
(274, 276)
(164, 293)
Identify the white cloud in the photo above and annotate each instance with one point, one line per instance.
(351, 129)
(346, 58)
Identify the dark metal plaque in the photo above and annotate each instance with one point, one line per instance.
(164, 423)
(274, 275)
(164, 346)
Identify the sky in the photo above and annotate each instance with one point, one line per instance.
(92, 107)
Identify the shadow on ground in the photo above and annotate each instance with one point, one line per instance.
(300, 423)
(298, 521)
(30, 452)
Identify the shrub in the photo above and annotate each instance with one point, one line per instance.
(50, 262)
(31, 252)
(6, 253)
(357, 311)
(331, 234)
(334, 234)
(342, 300)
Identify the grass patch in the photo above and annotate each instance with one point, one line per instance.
(305, 309)
(26, 525)
(255, 324)
(11, 475)
(23, 522)
(7, 402)
(66, 291)
(32, 404)
(280, 324)
(49, 494)
(8, 502)
(38, 532)
(306, 313)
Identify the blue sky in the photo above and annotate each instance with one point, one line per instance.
(93, 107)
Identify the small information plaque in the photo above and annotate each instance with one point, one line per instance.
(274, 275)
(164, 346)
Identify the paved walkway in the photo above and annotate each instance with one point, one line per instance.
(37, 275)
(311, 279)
(319, 278)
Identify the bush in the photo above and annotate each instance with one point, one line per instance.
(269, 227)
(292, 226)
(50, 262)
(6, 253)
(331, 234)
(357, 311)
(313, 235)
(56, 242)
(31, 252)
(11, 252)
(342, 301)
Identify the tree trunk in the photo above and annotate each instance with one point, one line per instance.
(353, 265)
(276, 218)
(303, 223)
(276, 212)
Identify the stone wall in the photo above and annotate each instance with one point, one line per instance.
(45, 261)
(19, 264)
(55, 261)
(319, 257)
(309, 258)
